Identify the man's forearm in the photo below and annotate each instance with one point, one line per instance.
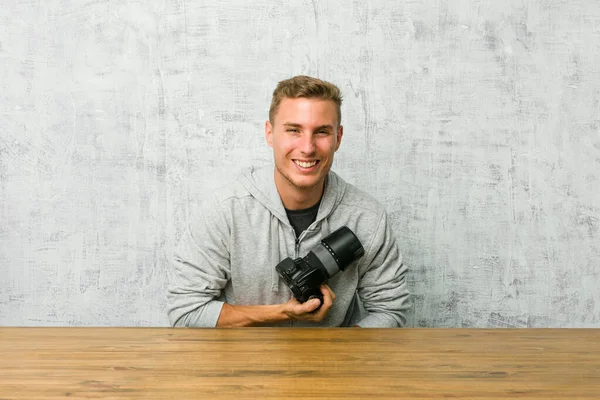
(233, 316)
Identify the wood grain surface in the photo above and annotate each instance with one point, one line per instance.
(178, 363)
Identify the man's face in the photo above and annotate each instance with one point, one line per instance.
(304, 136)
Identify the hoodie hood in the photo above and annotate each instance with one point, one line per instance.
(260, 183)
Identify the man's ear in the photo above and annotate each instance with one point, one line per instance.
(340, 133)
(269, 133)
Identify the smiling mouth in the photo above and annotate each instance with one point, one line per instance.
(306, 164)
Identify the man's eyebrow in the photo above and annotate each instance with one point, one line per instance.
(295, 125)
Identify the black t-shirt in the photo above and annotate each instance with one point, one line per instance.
(301, 219)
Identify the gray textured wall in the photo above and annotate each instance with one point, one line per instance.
(475, 121)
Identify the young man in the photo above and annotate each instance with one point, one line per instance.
(224, 269)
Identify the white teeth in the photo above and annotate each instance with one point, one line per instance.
(305, 164)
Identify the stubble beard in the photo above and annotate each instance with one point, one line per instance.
(294, 184)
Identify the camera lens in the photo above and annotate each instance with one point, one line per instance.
(337, 250)
(345, 246)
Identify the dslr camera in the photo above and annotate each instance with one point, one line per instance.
(333, 254)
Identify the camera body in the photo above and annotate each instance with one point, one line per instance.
(333, 254)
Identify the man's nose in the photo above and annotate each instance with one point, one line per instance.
(307, 145)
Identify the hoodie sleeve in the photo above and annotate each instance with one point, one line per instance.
(382, 285)
(200, 270)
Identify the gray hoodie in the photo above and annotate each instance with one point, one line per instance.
(229, 251)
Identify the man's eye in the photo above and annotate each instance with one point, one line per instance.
(323, 132)
(292, 130)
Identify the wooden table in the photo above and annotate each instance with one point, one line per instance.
(177, 363)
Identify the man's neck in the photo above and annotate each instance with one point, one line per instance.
(294, 198)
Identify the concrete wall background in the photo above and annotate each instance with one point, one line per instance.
(475, 121)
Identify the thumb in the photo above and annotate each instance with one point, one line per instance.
(311, 305)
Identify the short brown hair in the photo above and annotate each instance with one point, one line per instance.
(308, 87)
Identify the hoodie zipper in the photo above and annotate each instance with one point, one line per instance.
(296, 252)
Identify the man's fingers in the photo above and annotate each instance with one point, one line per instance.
(308, 306)
(322, 312)
(327, 301)
(308, 310)
(326, 290)
(313, 304)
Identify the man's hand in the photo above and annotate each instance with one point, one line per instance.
(238, 316)
(306, 311)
